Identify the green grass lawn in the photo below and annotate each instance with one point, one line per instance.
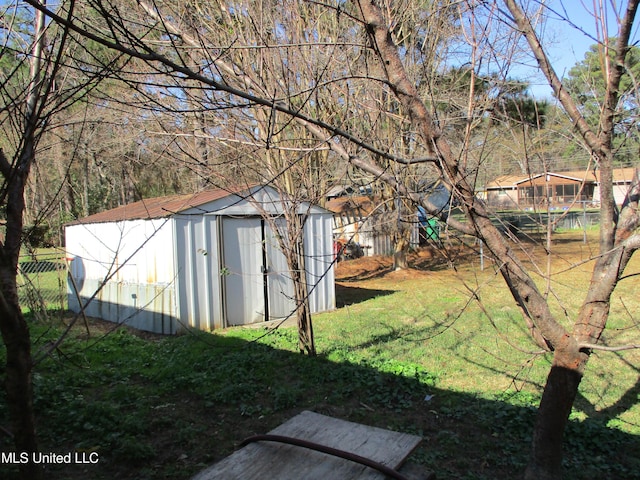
(414, 352)
(42, 280)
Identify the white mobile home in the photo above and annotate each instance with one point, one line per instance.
(207, 260)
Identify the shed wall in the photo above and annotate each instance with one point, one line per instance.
(281, 301)
(619, 193)
(222, 284)
(318, 237)
(124, 272)
(243, 267)
(376, 242)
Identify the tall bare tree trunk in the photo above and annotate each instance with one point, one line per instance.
(401, 248)
(572, 352)
(297, 265)
(15, 332)
(570, 357)
(13, 326)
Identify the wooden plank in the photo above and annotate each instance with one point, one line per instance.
(268, 460)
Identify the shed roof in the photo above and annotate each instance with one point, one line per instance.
(158, 207)
(347, 204)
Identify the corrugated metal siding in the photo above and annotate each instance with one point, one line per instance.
(236, 278)
(320, 272)
(138, 256)
(378, 243)
(281, 295)
(198, 257)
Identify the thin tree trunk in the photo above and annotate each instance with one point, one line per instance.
(400, 252)
(15, 334)
(306, 342)
(565, 376)
(14, 329)
(561, 389)
(85, 186)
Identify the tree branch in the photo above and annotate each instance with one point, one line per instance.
(525, 27)
(520, 283)
(151, 56)
(620, 348)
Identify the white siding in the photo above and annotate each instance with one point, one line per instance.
(243, 270)
(374, 242)
(619, 193)
(318, 239)
(280, 285)
(124, 272)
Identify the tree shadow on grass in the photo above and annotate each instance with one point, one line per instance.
(348, 295)
(168, 408)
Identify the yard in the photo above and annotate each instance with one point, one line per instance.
(413, 351)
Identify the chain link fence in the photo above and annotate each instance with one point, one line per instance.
(42, 281)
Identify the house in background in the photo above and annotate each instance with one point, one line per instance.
(358, 219)
(349, 213)
(361, 219)
(554, 190)
(208, 260)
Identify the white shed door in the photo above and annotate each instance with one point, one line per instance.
(280, 286)
(243, 270)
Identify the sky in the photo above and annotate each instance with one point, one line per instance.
(567, 43)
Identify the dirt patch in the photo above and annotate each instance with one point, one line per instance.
(421, 262)
(530, 249)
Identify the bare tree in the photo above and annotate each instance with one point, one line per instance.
(25, 103)
(38, 82)
(619, 240)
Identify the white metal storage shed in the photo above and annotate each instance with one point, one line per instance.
(205, 261)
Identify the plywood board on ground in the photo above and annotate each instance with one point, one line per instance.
(269, 460)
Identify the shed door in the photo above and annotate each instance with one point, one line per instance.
(243, 270)
(280, 286)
